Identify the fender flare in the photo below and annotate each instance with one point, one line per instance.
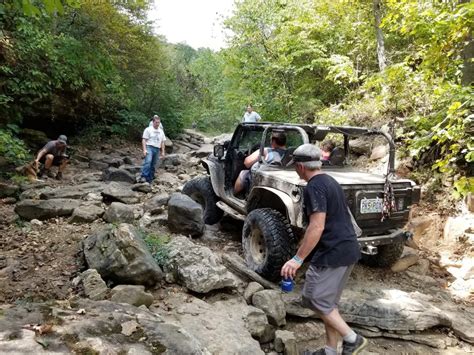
(284, 198)
(216, 175)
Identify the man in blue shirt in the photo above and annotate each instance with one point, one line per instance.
(330, 233)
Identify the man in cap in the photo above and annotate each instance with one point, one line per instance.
(53, 153)
(273, 154)
(331, 234)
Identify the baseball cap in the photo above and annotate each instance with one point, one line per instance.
(305, 153)
(62, 138)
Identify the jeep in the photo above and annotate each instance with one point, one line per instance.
(272, 210)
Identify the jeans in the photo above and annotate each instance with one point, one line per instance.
(149, 164)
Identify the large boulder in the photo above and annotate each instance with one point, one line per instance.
(121, 192)
(45, 209)
(271, 303)
(131, 294)
(222, 327)
(185, 215)
(7, 190)
(116, 174)
(196, 267)
(86, 214)
(156, 204)
(74, 192)
(33, 138)
(120, 254)
(93, 327)
(119, 213)
(132, 169)
(94, 287)
(203, 151)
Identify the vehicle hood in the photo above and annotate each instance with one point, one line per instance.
(342, 176)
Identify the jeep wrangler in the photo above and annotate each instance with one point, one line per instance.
(272, 210)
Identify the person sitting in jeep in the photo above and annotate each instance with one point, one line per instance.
(271, 155)
(326, 149)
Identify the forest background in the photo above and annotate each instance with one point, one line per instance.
(95, 70)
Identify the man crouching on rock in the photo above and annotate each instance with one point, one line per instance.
(53, 153)
(153, 142)
(331, 234)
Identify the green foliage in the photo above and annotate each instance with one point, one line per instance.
(12, 149)
(157, 246)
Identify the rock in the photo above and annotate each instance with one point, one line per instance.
(98, 165)
(168, 180)
(184, 177)
(285, 342)
(379, 152)
(404, 262)
(204, 151)
(93, 197)
(456, 227)
(421, 267)
(45, 209)
(8, 200)
(168, 146)
(94, 287)
(172, 160)
(86, 214)
(469, 200)
(149, 221)
(119, 213)
(35, 222)
(8, 190)
(220, 327)
(33, 138)
(81, 158)
(74, 192)
(112, 162)
(308, 330)
(185, 215)
(271, 303)
(426, 280)
(120, 192)
(128, 160)
(196, 267)
(437, 341)
(156, 203)
(132, 169)
(115, 174)
(99, 330)
(120, 254)
(142, 187)
(131, 294)
(256, 323)
(252, 288)
(360, 146)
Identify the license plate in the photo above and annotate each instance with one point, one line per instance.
(371, 205)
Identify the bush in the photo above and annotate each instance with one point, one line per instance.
(12, 149)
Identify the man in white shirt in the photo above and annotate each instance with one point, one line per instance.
(153, 142)
(250, 115)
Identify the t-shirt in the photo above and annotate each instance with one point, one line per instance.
(52, 148)
(338, 245)
(154, 136)
(274, 155)
(251, 117)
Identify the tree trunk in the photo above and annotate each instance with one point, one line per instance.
(380, 41)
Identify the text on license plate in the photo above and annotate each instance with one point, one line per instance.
(371, 205)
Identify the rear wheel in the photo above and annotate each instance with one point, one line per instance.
(267, 241)
(386, 256)
(200, 190)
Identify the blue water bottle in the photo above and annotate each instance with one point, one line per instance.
(287, 284)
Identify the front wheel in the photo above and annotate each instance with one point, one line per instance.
(268, 242)
(200, 190)
(386, 256)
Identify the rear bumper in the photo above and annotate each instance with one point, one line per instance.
(396, 236)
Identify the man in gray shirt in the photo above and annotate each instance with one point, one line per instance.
(53, 153)
(250, 115)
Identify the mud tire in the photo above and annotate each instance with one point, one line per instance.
(268, 242)
(200, 190)
(387, 255)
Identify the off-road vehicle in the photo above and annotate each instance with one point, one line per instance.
(272, 210)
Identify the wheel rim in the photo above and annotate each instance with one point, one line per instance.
(257, 245)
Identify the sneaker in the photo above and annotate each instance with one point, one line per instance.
(355, 347)
(59, 176)
(317, 352)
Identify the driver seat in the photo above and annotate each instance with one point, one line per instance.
(337, 156)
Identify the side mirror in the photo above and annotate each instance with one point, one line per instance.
(219, 151)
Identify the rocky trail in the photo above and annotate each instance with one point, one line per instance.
(97, 264)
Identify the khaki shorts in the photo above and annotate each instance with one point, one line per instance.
(323, 287)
